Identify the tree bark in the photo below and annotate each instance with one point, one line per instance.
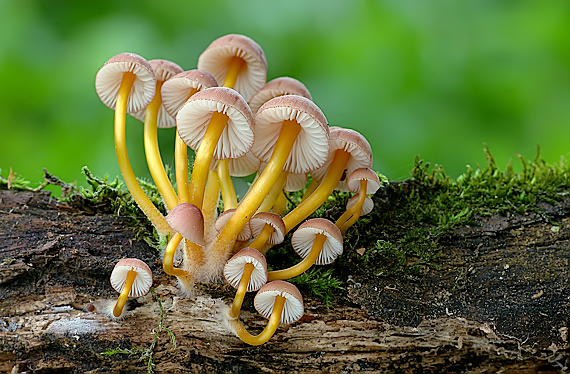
(498, 302)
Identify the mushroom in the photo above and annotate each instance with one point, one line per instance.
(318, 241)
(155, 116)
(280, 302)
(187, 222)
(349, 151)
(364, 181)
(130, 277)
(175, 92)
(278, 87)
(266, 227)
(237, 62)
(244, 234)
(246, 271)
(215, 122)
(291, 133)
(126, 83)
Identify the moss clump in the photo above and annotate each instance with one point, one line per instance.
(401, 235)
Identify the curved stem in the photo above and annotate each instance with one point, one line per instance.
(210, 206)
(232, 74)
(122, 300)
(321, 193)
(227, 186)
(224, 242)
(144, 203)
(168, 258)
(269, 329)
(204, 156)
(262, 238)
(355, 210)
(312, 186)
(276, 189)
(152, 152)
(241, 290)
(302, 266)
(181, 169)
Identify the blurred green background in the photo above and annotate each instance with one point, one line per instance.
(434, 78)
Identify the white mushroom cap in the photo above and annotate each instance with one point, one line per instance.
(177, 89)
(163, 70)
(193, 119)
(261, 219)
(265, 299)
(187, 220)
(310, 150)
(372, 180)
(233, 270)
(109, 77)
(366, 207)
(352, 142)
(217, 57)
(278, 87)
(142, 282)
(245, 233)
(304, 237)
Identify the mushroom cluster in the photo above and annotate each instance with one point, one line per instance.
(238, 125)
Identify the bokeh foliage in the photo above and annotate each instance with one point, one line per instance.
(436, 78)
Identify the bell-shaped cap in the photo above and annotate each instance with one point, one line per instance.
(142, 282)
(187, 220)
(109, 77)
(178, 89)
(278, 87)
(304, 237)
(274, 220)
(372, 180)
(366, 207)
(233, 270)
(265, 300)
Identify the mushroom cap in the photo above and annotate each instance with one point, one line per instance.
(278, 87)
(259, 221)
(245, 233)
(177, 89)
(372, 180)
(142, 282)
(187, 220)
(193, 118)
(304, 237)
(311, 148)
(217, 57)
(109, 77)
(233, 270)
(163, 70)
(354, 143)
(265, 299)
(366, 207)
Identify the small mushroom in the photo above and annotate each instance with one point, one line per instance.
(237, 62)
(363, 181)
(130, 277)
(126, 83)
(318, 241)
(246, 271)
(266, 227)
(278, 87)
(280, 302)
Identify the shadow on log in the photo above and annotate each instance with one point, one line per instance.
(498, 302)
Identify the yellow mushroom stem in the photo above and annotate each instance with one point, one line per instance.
(241, 290)
(236, 65)
(153, 159)
(262, 238)
(204, 156)
(210, 205)
(181, 169)
(269, 329)
(227, 186)
(273, 195)
(302, 266)
(312, 186)
(353, 213)
(193, 260)
(181, 164)
(144, 203)
(225, 240)
(168, 258)
(321, 193)
(280, 205)
(123, 296)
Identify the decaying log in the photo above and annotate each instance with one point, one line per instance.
(497, 303)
